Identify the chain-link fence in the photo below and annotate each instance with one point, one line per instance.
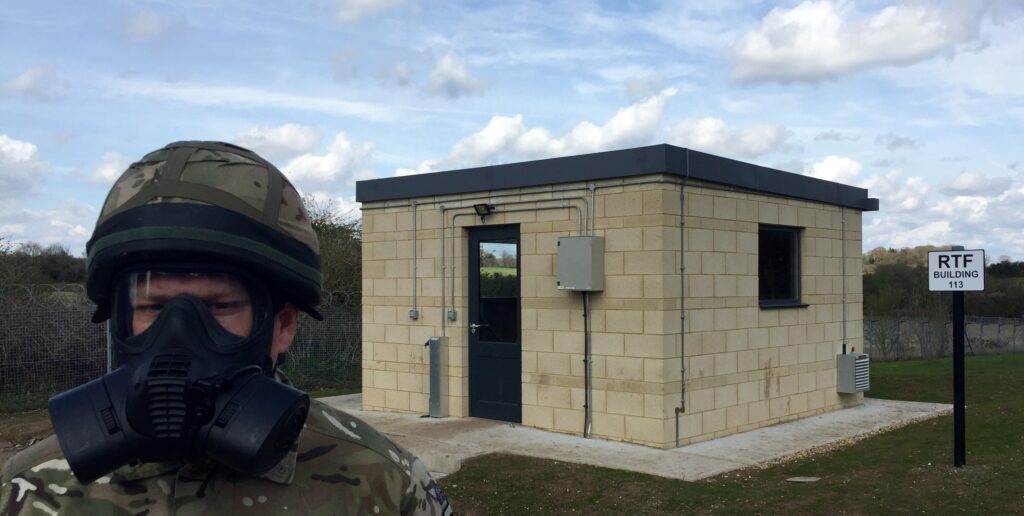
(895, 338)
(48, 344)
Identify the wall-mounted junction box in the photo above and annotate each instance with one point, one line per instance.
(854, 373)
(581, 263)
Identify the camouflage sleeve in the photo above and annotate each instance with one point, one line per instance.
(424, 495)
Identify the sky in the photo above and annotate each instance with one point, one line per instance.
(920, 102)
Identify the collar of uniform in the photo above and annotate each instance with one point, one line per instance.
(143, 471)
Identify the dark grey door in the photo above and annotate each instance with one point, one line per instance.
(495, 360)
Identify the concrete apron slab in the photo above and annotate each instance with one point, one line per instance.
(444, 443)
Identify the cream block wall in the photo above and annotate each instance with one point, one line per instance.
(745, 367)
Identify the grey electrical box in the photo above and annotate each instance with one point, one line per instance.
(854, 373)
(581, 263)
(438, 401)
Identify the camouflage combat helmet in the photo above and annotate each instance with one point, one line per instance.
(200, 202)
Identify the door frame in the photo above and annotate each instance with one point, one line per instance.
(477, 233)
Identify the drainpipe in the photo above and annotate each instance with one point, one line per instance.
(414, 313)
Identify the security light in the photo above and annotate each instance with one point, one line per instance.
(483, 209)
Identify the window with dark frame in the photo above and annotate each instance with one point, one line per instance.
(778, 266)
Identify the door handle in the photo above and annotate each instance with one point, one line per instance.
(473, 327)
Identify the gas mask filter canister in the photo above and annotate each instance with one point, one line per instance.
(195, 380)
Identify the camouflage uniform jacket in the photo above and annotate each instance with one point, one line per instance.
(340, 466)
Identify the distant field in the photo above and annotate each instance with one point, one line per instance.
(503, 271)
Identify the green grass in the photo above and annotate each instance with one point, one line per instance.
(903, 471)
(503, 271)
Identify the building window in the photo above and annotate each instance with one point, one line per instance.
(778, 266)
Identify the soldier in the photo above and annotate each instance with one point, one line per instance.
(201, 259)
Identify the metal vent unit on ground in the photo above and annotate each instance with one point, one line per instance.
(854, 373)
(581, 263)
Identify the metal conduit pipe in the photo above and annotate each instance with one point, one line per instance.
(842, 238)
(479, 197)
(587, 375)
(442, 208)
(579, 219)
(414, 313)
(682, 297)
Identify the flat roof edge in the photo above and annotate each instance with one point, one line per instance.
(654, 159)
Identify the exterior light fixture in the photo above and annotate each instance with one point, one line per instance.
(483, 209)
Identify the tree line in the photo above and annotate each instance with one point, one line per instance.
(895, 280)
(339, 234)
(896, 284)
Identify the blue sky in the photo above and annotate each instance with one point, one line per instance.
(921, 102)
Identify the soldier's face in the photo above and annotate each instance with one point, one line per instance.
(224, 295)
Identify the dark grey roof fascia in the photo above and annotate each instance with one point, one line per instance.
(654, 159)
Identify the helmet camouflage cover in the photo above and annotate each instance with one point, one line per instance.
(206, 202)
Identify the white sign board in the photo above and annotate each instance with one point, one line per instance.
(956, 270)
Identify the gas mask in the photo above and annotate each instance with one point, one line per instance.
(194, 381)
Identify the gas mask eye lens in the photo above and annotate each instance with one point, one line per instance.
(224, 296)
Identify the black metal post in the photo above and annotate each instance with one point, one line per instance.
(959, 440)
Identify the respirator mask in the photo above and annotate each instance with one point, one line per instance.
(194, 381)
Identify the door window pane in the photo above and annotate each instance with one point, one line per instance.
(498, 306)
(499, 272)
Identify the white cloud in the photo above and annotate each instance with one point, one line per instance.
(834, 136)
(245, 97)
(69, 224)
(835, 168)
(894, 142)
(32, 82)
(897, 194)
(20, 167)
(973, 183)
(451, 79)
(401, 74)
(110, 168)
(344, 63)
(822, 39)
(345, 207)
(355, 10)
(146, 25)
(964, 209)
(337, 169)
(280, 143)
(507, 138)
(710, 134)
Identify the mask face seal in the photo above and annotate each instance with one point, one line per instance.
(195, 379)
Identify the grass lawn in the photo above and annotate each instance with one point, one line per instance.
(904, 471)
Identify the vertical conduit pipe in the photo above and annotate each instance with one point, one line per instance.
(682, 297)
(842, 238)
(588, 410)
(414, 314)
(587, 419)
(443, 223)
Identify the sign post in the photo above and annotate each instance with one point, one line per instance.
(957, 270)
